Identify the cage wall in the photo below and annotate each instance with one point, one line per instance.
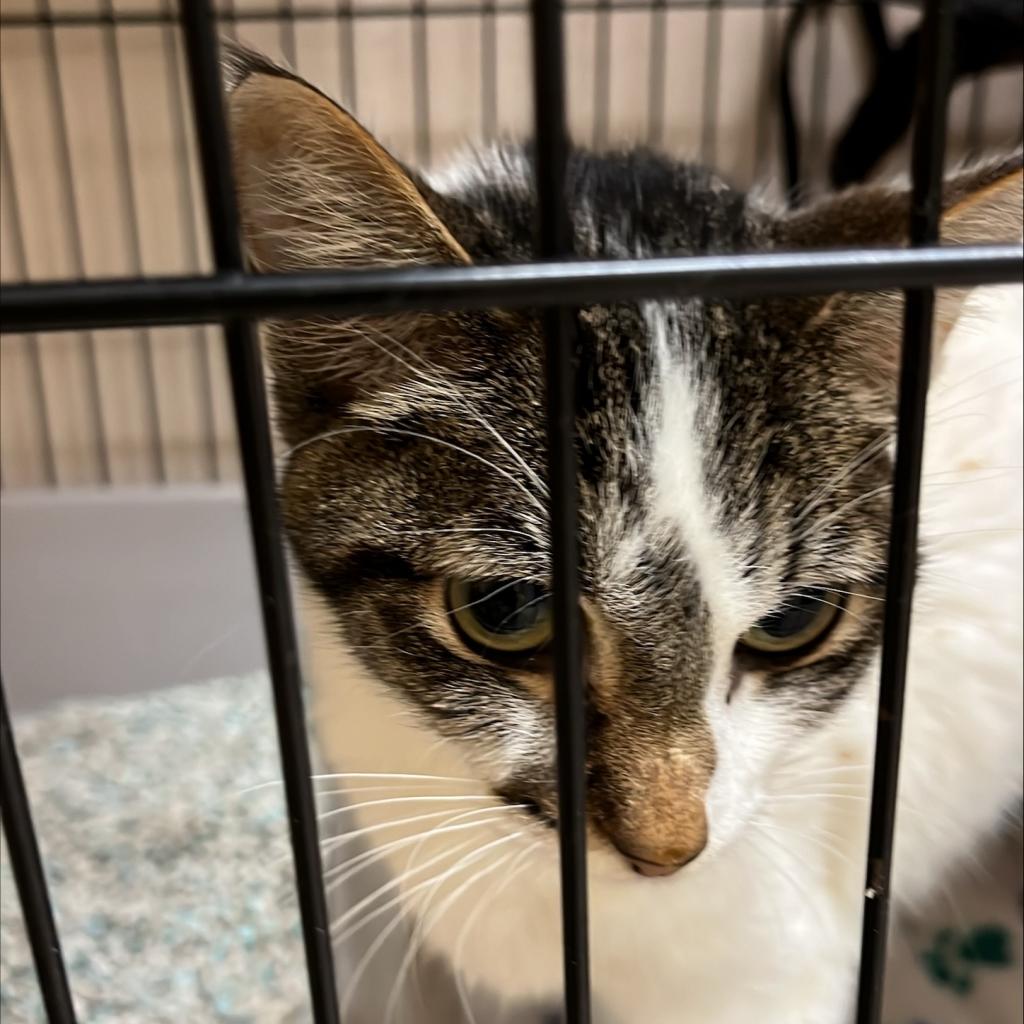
(99, 175)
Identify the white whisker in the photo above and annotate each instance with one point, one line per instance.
(351, 865)
(404, 800)
(364, 775)
(948, 389)
(398, 880)
(518, 865)
(470, 406)
(1009, 382)
(785, 874)
(423, 924)
(398, 432)
(402, 895)
(814, 796)
(382, 937)
(799, 834)
(866, 454)
(332, 841)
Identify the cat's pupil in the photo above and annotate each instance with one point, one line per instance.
(798, 614)
(505, 608)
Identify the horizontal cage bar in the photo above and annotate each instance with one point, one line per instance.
(74, 305)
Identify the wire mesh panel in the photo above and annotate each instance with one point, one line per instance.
(230, 297)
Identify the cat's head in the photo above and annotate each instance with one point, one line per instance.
(734, 459)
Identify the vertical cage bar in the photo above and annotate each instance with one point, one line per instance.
(555, 239)
(602, 73)
(489, 70)
(35, 362)
(712, 83)
(144, 337)
(229, 15)
(656, 82)
(286, 28)
(420, 82)
(347, 54)
(927, 159)
(179, 130)
(30, 880)
(56, 90)
(257, 461)
(790, 134)
(765, 76)
(819, 87)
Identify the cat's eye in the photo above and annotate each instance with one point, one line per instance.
(802, 622)
(500, 617)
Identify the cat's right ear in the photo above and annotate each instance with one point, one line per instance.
(979, 205)
(315, 189)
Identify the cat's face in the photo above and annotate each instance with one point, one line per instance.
(734, 460)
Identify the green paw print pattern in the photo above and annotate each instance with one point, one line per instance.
(955, 956)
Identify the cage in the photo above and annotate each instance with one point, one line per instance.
(128, 422)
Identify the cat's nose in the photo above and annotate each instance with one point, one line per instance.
(659, 863)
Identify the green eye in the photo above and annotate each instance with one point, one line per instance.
(802, 622)
(500, 617)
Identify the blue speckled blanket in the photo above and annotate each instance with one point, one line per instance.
(172, 884)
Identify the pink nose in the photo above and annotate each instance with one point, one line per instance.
(658, 864)
(649, 869)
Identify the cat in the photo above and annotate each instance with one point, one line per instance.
(734, 466)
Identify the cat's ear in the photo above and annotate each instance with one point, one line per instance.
(980, 205)
(315, 189)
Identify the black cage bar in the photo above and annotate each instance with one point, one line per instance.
(30, 880)
(235, 298)
(251, 417)
(915, 370)
(554, 239)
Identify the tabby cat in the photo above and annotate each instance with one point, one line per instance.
(734, 466)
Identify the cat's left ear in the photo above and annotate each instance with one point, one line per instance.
(980, 205)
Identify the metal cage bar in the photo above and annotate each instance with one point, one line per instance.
(489, 69)
(915, 370)
(711, 82)
(20, 258)
(554, 239)
(130, 204)
(254, 440)
(30, 880)
(657, 85)
(180, 128)
(181, 300)
(346, 53)
(76, 246)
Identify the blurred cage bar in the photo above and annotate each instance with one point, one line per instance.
(99, 171)
(553, 284)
